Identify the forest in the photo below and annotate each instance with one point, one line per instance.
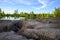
(31, 15)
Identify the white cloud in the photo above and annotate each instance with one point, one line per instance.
(45, 3)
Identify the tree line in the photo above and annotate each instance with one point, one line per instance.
(31, 15)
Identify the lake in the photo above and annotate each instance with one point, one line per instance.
(12, 18)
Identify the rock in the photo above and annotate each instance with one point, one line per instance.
(4, 25)
(28, 33)
(15, 37)
(10, 25)
(11, 36)
(41, 34)
(49, 20)
(31, 26)
(31, 30)
(16, 25)
(31, 39)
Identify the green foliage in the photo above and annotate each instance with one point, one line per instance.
(31, 15)
(57, 12)
(0, 11)
(2, 14)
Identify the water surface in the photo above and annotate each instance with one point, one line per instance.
(12, 18)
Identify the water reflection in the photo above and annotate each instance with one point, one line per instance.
(12, 18)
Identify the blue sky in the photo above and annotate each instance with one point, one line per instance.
(38, 6)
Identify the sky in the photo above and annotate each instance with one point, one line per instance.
(38, 6)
